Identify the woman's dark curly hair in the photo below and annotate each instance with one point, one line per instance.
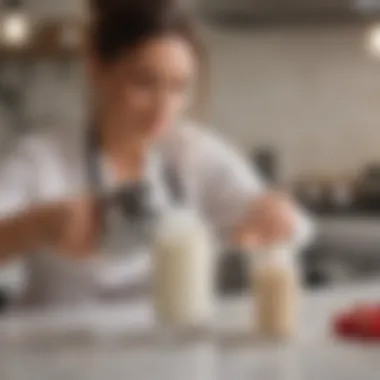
(118, 26)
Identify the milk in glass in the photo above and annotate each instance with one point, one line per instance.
(276, 293)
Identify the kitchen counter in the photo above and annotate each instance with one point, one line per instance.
(122, 343)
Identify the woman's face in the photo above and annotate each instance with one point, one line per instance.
(148, 88)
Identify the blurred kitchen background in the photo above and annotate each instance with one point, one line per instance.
(295, 84)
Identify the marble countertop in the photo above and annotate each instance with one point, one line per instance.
(123, 342)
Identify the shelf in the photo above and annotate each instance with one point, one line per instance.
(39, 52)
(50, 39)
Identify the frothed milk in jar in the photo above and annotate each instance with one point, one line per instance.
(183, 270)
(275, 293)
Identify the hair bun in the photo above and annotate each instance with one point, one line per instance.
(100, 8)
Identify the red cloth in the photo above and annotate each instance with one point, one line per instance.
(362, 322)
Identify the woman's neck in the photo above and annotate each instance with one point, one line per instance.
(125, 152)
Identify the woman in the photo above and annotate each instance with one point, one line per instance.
(143, 65)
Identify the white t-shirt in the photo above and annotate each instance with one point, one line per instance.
(215, 180)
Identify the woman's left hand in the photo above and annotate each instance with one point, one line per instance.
(271, 220)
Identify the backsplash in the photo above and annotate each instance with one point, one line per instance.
(311, 94)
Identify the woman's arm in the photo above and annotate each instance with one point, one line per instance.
(28, 224)
(18, 222)
(70, 227)
(29, 230)
(240, 206)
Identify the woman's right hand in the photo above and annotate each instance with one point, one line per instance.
(70, 227)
